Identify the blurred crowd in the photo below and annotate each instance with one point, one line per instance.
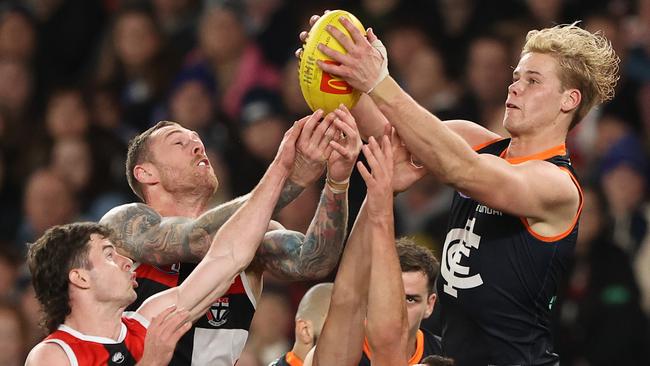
(79, 78)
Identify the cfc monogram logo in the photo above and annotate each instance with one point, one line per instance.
(459, 243)
(332, 84)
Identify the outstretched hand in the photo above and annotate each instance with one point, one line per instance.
(346, 145)
(287, 154)
(406, 173)
(163, 333)
(366, 61)
(312, 148)
(379, 179)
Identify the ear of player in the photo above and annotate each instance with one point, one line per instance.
(321, 89)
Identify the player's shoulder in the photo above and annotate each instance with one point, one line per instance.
(126, 212)
(47, 353)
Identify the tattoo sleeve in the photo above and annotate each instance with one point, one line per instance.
(290, 255)
(146, 237)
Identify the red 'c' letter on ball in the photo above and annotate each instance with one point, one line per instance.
(332, 84)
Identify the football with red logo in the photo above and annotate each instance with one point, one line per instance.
(320, 89)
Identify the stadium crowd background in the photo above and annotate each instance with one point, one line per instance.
(78, 78)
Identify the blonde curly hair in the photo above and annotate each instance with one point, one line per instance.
(587, 62)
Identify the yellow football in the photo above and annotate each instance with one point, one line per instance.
(320, 89)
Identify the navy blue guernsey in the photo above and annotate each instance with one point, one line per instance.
(499, 278)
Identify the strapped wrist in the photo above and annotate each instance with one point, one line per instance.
(337, 187)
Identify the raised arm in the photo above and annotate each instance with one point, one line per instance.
(146, 237)
(292, 256)
(387, 323)
(234, 245)
(553, 200)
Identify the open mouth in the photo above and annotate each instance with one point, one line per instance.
(203, 163)
(510, 105)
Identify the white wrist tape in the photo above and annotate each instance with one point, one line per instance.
(383, 72)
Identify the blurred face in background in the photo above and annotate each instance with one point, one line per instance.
(16, 85)
(67, 115)
(427, 62)
(400, 43)
(192, 105)
(72, 160)
(221, 35)
(48, 201)
(17, 36)
(488, 74)
(591, 221)
(262, 137)
(136, 39)
(11, 332)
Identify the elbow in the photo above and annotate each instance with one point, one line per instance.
(346, 297)
(460, 174)
(385, 336)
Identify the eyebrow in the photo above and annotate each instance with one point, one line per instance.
(528, 72)
(107, 246)
(171, 133)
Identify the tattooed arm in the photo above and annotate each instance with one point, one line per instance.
(291, 256)
(146, 237)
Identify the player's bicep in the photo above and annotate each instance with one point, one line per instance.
(532, 189)
(144, 236)
(474, 134)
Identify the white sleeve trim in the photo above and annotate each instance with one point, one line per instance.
(68, 351)
(136, 316)
(248, 289)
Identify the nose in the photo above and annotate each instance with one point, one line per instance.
(126, 263)
(198, 148)
(514, 88)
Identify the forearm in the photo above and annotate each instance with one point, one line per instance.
(348, 303)
(314, 255)
(213, 219)
(234, 245)
(370, 120)
(387, 321)
(443, 152)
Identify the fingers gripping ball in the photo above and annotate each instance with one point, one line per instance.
(320, 89)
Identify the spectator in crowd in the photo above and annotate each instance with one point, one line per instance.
(600, 321)
(48, 201)
(13, 334)
(136, 62)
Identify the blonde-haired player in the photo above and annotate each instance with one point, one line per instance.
(514, 218)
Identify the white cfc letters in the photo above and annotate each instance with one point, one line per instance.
(459, 243)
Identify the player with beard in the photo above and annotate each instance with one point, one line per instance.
(84, 284)
(168, 169)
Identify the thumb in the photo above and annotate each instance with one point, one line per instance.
(371, 35)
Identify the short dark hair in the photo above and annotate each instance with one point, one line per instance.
(138, 153)
(435, 360)
(416, 258)
(50, 259)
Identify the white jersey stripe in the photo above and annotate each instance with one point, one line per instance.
(68, 351)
